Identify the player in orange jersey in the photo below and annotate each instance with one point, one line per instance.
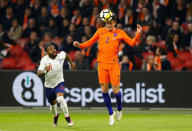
(109, 39)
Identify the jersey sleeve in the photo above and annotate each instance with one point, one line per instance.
(128, 40)
(62, 55)
(91, 41)
(42, 65)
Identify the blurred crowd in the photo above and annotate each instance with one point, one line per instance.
(28, 26)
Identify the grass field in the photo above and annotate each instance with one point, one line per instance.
(19, 119)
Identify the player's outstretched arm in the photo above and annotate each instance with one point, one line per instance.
(73, 67)
(133, 41)
(87, 43)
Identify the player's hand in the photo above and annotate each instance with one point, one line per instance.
(73, 66)
(139, 29)
(76, 44)
(48, 68)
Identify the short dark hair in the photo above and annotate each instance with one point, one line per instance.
(46, 46)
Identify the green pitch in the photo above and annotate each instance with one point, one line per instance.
(96, 120)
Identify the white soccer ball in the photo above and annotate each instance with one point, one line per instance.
(106, 15)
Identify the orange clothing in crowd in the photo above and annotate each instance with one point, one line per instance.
(54, 10)
(158, 66)
(25, 22)
(130, 66)
(109, 44)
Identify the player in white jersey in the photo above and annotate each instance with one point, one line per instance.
(51, 66)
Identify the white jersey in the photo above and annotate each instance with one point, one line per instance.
(55, 75)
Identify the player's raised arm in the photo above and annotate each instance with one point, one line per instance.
(133, 41)
(73, 67)
(87, 43)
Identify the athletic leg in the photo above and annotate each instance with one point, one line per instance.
(117, 94)
(115, 82)
(103, 74)
(53, 107)
(106, 97)
(107, 101)
(51, 97)
(63, 103)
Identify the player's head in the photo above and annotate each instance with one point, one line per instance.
(111, 24)
(51, 51)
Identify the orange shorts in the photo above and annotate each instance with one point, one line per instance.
(109, 73)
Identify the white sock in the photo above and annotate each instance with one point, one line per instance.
(53, 108)
(63, 105)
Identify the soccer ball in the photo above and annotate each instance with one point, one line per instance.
(106, 15)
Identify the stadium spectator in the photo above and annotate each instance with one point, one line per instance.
(93, 17)
(164, 63)
(31, 27)
(67, 44)
(81, 62)
(139, 6)
(145, 18)
(90, 52)
(126, 64)
(165, 29)
(3, 6)
(73, 32)
(4, 38)
(64, 28)
(36, 52)
(150, 46)
(85, 8)
(54, 7)
(129, 20)
(77, 17)
(175, 29)
(158, 11)
(19, 8)
(174, 45)
(189, 11)
(154, 29)
(5, 43)
(36, 7)
(15, 31)
(71, 5)
(105, 4)
(52, 28)
(85, 22)
(43, 19)
(188, 36)
(32, 42)
(8, 19)
(87, 32)
(179, 11)
(64, 14)
(121, 10)
(149, 64)
(25, 18)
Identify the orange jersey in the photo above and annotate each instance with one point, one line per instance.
(109, 42)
